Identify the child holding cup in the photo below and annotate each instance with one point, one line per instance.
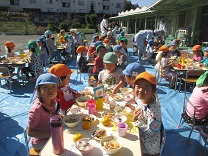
(147, 116)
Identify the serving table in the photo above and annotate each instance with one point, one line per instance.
(131, 146)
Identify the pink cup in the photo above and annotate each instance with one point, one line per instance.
(123, 129)
(91, 109)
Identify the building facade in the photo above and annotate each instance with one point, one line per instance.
(64, 6)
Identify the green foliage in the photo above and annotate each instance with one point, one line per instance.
(52, 26)
(64, 25)
(87, 18)
(93, 19)
(76, 25)
(92, 11)
(90, 26)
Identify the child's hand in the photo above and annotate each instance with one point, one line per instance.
(137, 113)
(130, 106)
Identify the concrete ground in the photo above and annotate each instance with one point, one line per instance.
(21, 40)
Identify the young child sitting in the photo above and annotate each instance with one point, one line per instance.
(9, 47)
(198, 55)
(98, 63)
(66, 95)
(173, 51)
(205, 60)
(163, 68)
(147, 113)
(111, 75)
(42, 109)
(107, 45)
(81, 59)
(35, 66)
(44, 57)
(131, 71)
(122, 56)
(197, 102)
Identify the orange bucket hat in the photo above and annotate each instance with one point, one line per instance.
(60, 70)
(9, 44)
(164, 49)
(81, 49)
(196, 47)
(147, 76)
(106, 40)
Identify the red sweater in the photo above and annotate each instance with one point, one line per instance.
(65, 105)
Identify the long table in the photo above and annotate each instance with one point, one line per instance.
(131, 146)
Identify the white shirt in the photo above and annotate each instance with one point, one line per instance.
(104, 27)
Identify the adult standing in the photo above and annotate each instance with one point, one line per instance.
(140, 38)
(104, 26)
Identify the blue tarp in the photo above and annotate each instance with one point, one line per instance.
(14, 109)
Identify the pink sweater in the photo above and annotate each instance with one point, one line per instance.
(200, 101)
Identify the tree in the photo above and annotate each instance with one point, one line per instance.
(128, 5)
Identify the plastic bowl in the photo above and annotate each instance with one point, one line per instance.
(71, 120)
(77, 110)
(81, 101)
(88, 117)
(121, 109)
(83, 148)
(126, 90)
(128, 97)
(116, 141)
(119, 118)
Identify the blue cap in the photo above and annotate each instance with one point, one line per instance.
(95, 36)
(151, 42)
(133, 69)
(41, 39)
(206, 49)
(119, 49)
(98, 43)
(173, 43)
(47, 78)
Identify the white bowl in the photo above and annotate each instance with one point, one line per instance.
(83, 148)
(119, 118)
(89, 117)
(81, 101)
(101, 135)
(113, 140)
(126, 90)
(121, 109)
(71, 120)
(108, 114)
(77, 110)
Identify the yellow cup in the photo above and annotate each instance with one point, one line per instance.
(99, 103)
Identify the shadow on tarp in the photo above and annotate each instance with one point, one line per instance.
(10, 144)
(160, 91)
(176, 143)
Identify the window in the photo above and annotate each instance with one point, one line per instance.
(14, 2)
(33, 1)
(105, 7)
(67, 5)
(118, 5)
(50, 1)
(80, 3)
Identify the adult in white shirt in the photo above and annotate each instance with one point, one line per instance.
(104, 26)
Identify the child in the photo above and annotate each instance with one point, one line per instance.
(148, 115)
(44, 57)
(122, 56)
(81, 59)
(92, 48)
(35, 66)
(107, 45)
(9, 47)
(198, 55)
(66, 95)
(111, 75)
(123, 42)
(163, 68)
(131, 71)
(111, 38)
(205, 60)
(199, 100)
(42, 109)
(98, 63)
(173, 51)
